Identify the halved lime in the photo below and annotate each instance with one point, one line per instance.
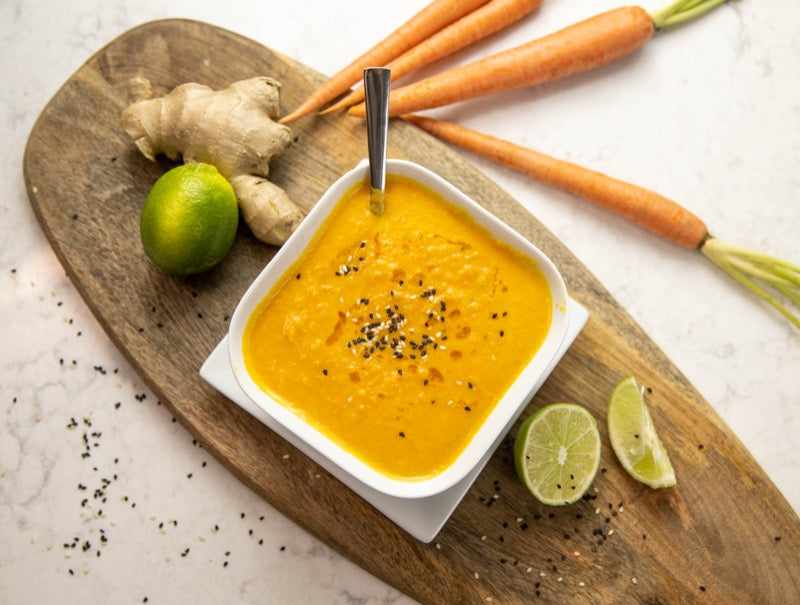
(634, 438)
(557, 453)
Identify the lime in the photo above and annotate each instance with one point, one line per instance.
(189, 219)
(634, 438)
(557, 453)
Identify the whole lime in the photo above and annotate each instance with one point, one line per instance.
(189, 219)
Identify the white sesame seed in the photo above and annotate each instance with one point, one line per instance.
(581, 584)
(519, 519)
(576, 553)
(529, 570)
(483, 538)
(542, 574)
(610, 532)
(634, 581)
(560, 579)
(438, 546)
(476, 575)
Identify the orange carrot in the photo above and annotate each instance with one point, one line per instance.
(580, 47)
(646, 208)
(484, 21)
(428, 21)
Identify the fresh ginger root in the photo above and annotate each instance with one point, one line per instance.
(232, 129)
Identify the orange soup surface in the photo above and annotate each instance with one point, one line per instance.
(395, 335)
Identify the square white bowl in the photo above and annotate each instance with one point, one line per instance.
(507, 409)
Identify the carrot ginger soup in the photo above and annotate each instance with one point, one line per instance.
(396, 335)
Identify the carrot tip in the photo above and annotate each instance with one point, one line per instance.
(358, 111)
(330, 109)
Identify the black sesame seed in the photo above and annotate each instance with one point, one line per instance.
(402, 434)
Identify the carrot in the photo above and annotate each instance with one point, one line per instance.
(774, 280)
(646, 208)
(580, 47)
(484, 21)
(425, 23)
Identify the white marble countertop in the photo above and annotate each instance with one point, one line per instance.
(708, 114)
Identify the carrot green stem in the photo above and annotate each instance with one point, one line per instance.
(760, 273)
(681, 11)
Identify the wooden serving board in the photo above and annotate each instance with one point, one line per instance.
(723, 535)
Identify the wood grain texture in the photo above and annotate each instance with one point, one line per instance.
(713, 538)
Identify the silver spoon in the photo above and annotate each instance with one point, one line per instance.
(376, 94)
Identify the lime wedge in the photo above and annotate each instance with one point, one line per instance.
(634, 438)
(557, 453)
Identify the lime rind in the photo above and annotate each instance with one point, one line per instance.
(557, 453)
(634, 438)
(189, 220)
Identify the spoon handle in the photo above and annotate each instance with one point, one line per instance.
(376, 90)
